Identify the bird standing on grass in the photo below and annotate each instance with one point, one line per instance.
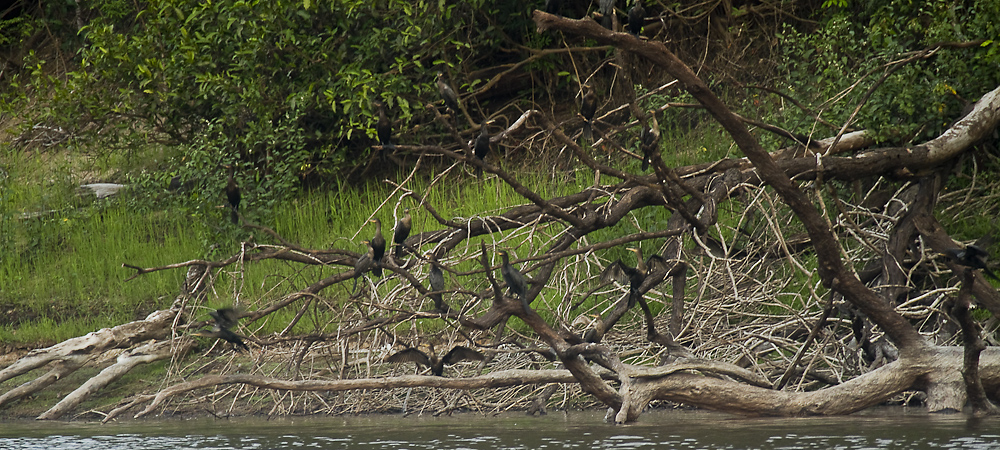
(233, 194)
(378, 247)
(224, 318)
(458, 353)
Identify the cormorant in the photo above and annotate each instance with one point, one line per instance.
(607, 10)
(515, 280)
(459, 353)
(448, 94)
(364, 263)
(378, 245)
(587, 109)
(636, 275)
(233, 194)
(482, 145)
(649, 139)
(636, 17)
(384, 127)
(436, 279)
(974, 256)
(225, 318)
(402, 232)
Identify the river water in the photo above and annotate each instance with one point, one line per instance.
(881, 429)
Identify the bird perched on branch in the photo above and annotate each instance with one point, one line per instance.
(233, 194)
(436, 279)
(384, 126)
(457, 354)
(224, 318)
(607, 10)
(481, 148)
(649, 139)
(636, 17)
(635, 275)
(587, 109)
(974, 256)
(516, 283)
(448, 94)
(378, 247)
(403, 227)
(364, 263)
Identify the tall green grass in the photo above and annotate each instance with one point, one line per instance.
(63, 273)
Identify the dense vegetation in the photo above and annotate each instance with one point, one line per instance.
(284, 91)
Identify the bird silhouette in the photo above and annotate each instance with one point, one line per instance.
(649, 139)
(364, 263)
(974, 256)
(378, 247)
(607, 10)
(448, 94)
(456, 354)
(481, 147)
(403, 227)
(384, 127)
(636, 17)
(436, 280)
(634, 275)
(233, 194)
(224, 319)
(516, 283)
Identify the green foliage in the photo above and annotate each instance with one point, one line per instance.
(915, 102)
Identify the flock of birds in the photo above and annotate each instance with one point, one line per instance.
(972, 256)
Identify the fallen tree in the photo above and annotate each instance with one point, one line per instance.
(867, 324)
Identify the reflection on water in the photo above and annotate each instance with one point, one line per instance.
(883, 429)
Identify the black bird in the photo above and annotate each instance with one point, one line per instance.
(448, 94)
(364, 263)
(384, 127)
(587, 109)
(459, 353)
(649, 139)
(436, 279)
(225, 318)
(175, 183)
(378, 245)
(607, 10)
(482, 145)
(233, 194)
(553, 6)
(636, 16)
(974, 256)
(402, 232)
(514, 279)
(635, 275)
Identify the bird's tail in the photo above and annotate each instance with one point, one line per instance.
(606, 21)
(588, 131)
(645, 163)
(377, 270)
(234, 216)
(633, 297)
